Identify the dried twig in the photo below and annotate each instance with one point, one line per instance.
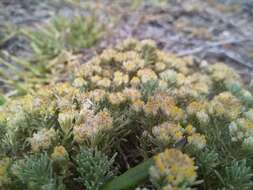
(231, 55)
(209, 45)
(214, 48)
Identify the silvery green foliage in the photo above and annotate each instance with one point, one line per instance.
(94, 168)
(36, 173)
(238, 175)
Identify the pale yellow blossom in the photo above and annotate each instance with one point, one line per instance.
(168, 133)
(120, 78)
(177, 168)
(137, 105)
(60, 154)
(146, 75)
(43, 139)
(79, 82)
(92, 125)
(197, 141)
(97, 95)
(116, 98)
(132, 93)
(135, 81)
(225, 105)
(104, 83)
(160, 66)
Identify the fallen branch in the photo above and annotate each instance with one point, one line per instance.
(209, 45)
(231, 55)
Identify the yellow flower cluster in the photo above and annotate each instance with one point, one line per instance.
(66, 118)
(241, 130)
(171, 133)
(97, 95)
(116, 98)
(79, 82)
(162, 90)
(127, 66)
(225, 105)
(117, 76)
(168, 133)
(16, 110)
(173, 169)
(221, 72)
(60, 154)
(197, 141)
(146, 75)
(199, 109)
(43, 139)
(195, 86)
(108, 75)
(62, 94)
(162, 101)
(169, 76)
(91, 124)
(120, 78)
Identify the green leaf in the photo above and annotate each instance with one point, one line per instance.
(130, 178)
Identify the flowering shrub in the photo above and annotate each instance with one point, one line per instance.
(122, 107)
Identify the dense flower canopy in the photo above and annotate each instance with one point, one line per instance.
(134, 99)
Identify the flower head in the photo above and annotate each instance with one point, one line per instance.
(117, 98)
(60, 154)
(169, 76)
(92, 125)
(146, 75)
(197, 141)
(225, 104)
(168, 133)
(104, 83)
(241, 129)
(221, 72)
(173, 168)
(79, 82)
(43, 139)
(120, 78)
(135, 81)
